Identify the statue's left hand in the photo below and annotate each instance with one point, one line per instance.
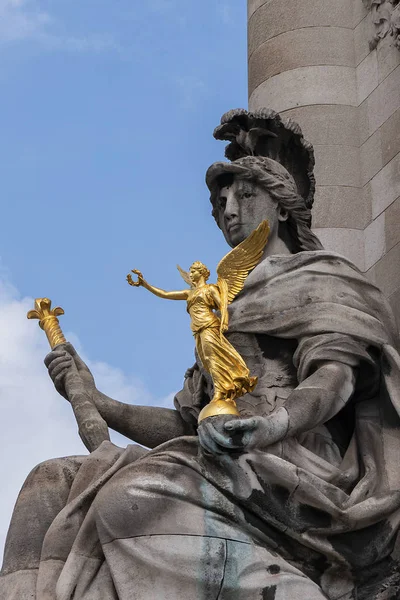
(221, 434)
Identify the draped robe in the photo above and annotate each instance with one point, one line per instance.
(334, 521)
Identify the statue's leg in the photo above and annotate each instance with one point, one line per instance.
(168, 532)
(253, 572)
(184, 567)
(43, 495)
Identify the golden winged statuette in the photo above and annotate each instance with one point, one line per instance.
(229, 372)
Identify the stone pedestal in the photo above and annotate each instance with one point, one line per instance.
(335, 69)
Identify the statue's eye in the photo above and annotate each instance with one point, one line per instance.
(222, 203)
(247, 195)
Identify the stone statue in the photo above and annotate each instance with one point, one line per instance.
(300, 496)
(230, 375)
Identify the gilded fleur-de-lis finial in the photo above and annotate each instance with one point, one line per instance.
(48, 320)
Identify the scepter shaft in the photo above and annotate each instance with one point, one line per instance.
(93, 430)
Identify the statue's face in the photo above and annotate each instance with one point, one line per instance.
(241, 207)
(195, 273)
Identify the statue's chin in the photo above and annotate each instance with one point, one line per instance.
(235, 237)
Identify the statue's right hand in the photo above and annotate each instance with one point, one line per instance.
(64, 365)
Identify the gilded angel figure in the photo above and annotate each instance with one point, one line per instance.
(229, 372)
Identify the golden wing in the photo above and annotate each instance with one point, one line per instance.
(236, 265)
(185, 276)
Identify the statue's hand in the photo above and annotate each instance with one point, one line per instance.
(63, 364)
(221, 434)
(259, 432)
(139, 281)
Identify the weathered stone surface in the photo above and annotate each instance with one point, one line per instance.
(253, 5)
(307, 86)
(371, 157)
(390, 137)
(367, 76)
(392, 226)
(385, 186)
(344, 241)
(341, 207)
(362, 34)
(276, 17)
(347, 165)
(327, 124)
(374, 241)
(360, 11)
(383, 101)
(301, 48)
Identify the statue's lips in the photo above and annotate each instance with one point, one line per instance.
(234, 227)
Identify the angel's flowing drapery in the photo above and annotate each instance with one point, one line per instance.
(229, 372)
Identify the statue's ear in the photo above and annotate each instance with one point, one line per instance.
(283, 214)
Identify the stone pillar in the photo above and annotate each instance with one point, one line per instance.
(333, 67)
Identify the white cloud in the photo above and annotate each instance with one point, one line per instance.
(37, 424)
(21, 20)
(24, 20)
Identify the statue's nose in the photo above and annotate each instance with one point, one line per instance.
(232, 208)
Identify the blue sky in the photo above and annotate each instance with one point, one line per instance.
(106, 118)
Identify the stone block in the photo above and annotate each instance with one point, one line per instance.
(385, 186)
(306, 86)
(375, 241)
(371, 157)
(301, 48)
(363, 122)
(362, 34)
(387, 271)
(253, 5)
(348, 242)
(390, 136)
(388, 57)
(392, 224)
(339, 206)
(327, 124)
(337, 165)
(360, 11)
(383, 101)
(272, 18)
(367, 76)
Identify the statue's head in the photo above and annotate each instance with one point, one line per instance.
(198, 270)
(254, 188)
(271, 177)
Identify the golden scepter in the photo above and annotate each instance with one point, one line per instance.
(92, 428)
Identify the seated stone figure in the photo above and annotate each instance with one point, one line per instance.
(299, 497)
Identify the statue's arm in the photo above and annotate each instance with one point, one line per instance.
(146, 425)
(316, 400)
(320, 396)
(174, 295)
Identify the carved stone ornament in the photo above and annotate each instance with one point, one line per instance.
(386, 19)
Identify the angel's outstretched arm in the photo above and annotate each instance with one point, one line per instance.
(174, 295)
